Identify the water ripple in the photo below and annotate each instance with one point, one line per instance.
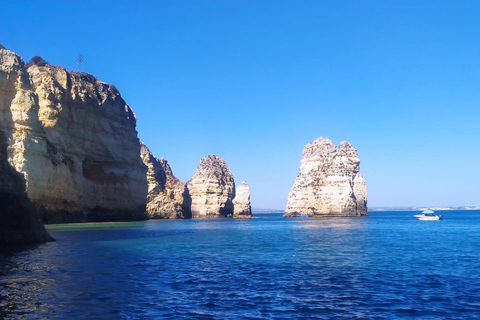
(383, 267)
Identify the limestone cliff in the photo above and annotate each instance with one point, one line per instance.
(212, 189)
(329, 182)
(168, 197)
(241, 203)
(74, 139)
(20, 219)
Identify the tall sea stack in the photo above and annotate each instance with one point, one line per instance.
(329, 182)
(74, 140)
(212, 189)
(168, 197)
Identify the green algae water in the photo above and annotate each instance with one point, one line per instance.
(385, 266)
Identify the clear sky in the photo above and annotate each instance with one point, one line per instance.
(255, 81)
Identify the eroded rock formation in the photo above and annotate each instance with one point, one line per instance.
(20, 219)
(329, 182)
(241, 203)
(74, 139)
(212, 189)
(168, 197)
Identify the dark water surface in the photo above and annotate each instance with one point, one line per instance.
(385, 266)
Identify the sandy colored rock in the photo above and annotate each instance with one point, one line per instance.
(74, 139)
(329, 183)
(241, 203)
(360, 193)
(168, 197)
(212, 189)
(20, 219)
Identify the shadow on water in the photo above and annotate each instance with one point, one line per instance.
(14, 249)
(20, 281)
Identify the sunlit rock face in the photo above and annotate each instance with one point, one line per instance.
(329, 182)
(212, 189)
(20, 219)
(74, 139)
(241, 203)
(168, 197)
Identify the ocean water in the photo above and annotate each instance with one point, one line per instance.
(385, 266)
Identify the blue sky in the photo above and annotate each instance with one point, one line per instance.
(255, 81)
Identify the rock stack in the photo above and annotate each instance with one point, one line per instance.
(212, 189)
(168, 197)
(329, 182)
(241, 203)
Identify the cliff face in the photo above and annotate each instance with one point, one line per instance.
(329, 183)
(241, 203)
(168, 197)
(74, 139)
(20, 220)
(212, 189)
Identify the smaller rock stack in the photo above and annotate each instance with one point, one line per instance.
(241, 203)
(212, 189)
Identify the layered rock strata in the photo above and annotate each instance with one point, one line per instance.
(212, 189)
(168, 197)
(241, 203)
(21, 133)
(74, 139)
(20, 219)
(329, 182)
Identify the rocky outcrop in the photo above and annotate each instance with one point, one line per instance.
(360, 193)
(20, 219)
(329, 182)
(74, 139)
(168, 197)
(212, 189)
(241, 203)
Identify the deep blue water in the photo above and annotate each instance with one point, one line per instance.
(384, 266)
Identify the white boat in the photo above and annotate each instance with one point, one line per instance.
(428, 215)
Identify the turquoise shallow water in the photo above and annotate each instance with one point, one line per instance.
(385, 266)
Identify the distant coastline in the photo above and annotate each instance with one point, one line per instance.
(422, 208)
(393, 208)
(263, 210)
